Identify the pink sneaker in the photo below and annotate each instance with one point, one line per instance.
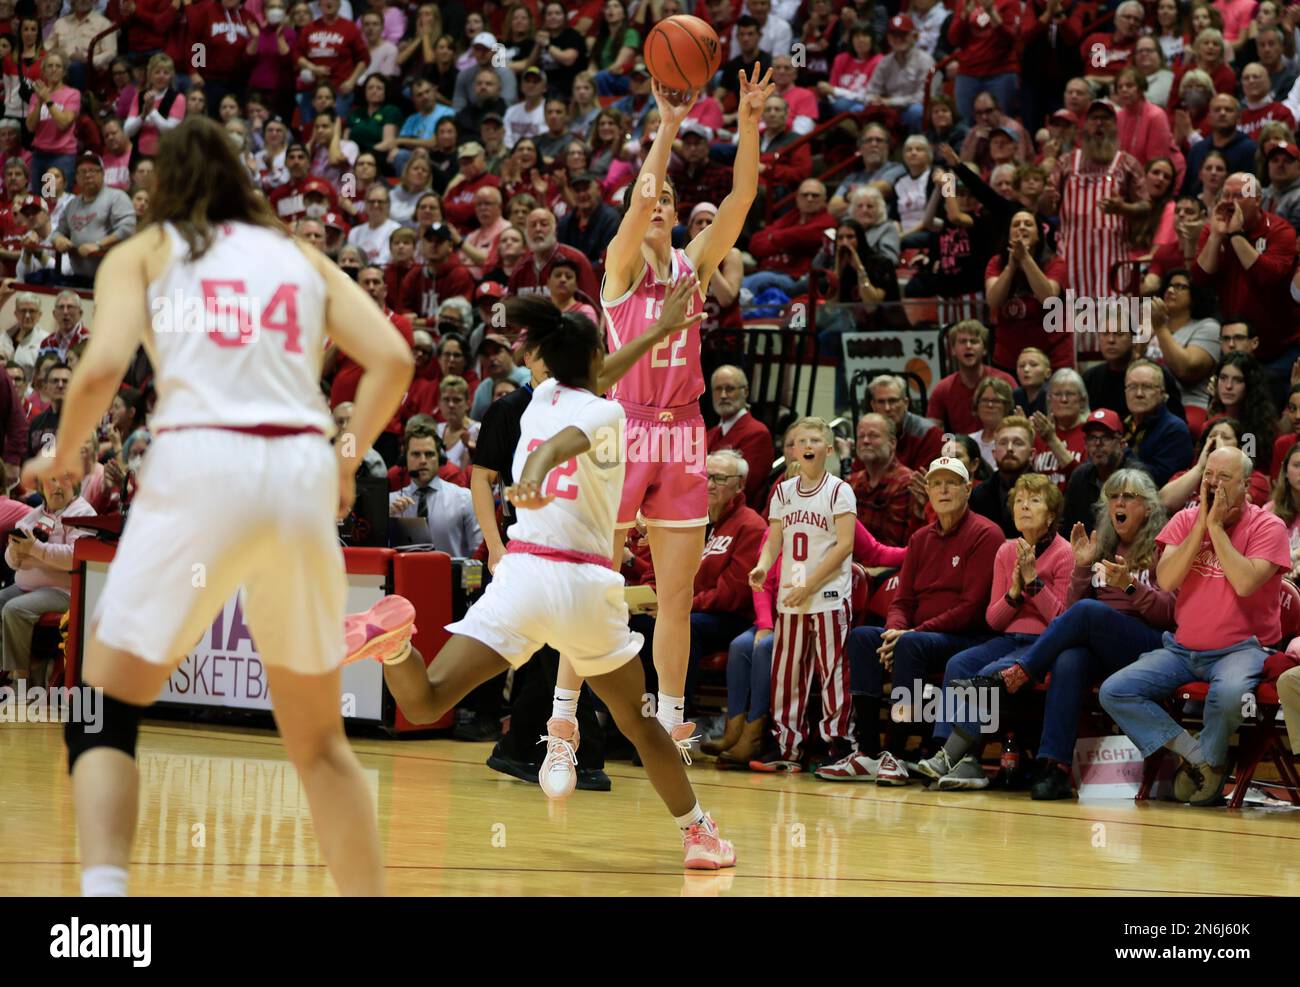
(705, 848)
(383, 632)
(683, 735)
(559, 772)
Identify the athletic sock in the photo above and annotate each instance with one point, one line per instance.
(1187, 747)
(672, 711)
(696, 815)
(103, 882)
(565, 705)
(958, 746)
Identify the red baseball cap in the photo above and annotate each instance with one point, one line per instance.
(318, 186)
(900, 24)
(1064, 116)
(1290, 150)
(1104, 418)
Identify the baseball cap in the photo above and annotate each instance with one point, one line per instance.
(699, 208)
(485, 39)
(495, 337)
(492, 118)
(692, 128)
(1104, 418)
(1006, 132)
(438, 231)
(900, 24)
(9, 123)
(90, 157)
(1064, 116)
(334, 221)
(317, 186)
(470, 149)
(639, 69)
(34, 203)
(489, 289)
(1290, 150)
(582, 178)
(533, 70)
(951, 465)
(1103, 104)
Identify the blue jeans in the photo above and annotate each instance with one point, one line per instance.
(1132, 696)
(841, 105)
(983, 659)
(1089, 641)
(710, 632)
(1004, 87)
(916, 655)
(43, 161)
(749, 676)
(760, 281)
(611, 84)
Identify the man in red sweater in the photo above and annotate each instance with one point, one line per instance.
(1247, 256)
(287, 200)
(938, 610)
(786, 248)
(531, 277)
(919, 439)
(221, 32)
(332, 50)
(440, 277)
(458, 201)
(723, 604)
(1105, 53)
(739, 430)
(950, 401)
(883, 485)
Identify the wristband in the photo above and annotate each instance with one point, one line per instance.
(1012, 601)
(1032, 588)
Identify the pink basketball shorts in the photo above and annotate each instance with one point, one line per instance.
(665, 479)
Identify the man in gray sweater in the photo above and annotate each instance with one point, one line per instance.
(93, 222)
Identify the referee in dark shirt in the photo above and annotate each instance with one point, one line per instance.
(516, 754)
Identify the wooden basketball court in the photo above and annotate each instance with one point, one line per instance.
(223, 814)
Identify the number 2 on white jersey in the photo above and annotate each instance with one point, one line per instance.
(559, 482)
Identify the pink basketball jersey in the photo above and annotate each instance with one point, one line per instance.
(671, 374)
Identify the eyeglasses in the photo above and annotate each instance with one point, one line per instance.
(992, 403)
(1097, 437)
(888, 402)
(376, 202)
(1066, 396)
(721, 478)
(1142, 388)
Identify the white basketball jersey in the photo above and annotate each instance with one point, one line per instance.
(587, 489)
(808, 535)
(237, 336)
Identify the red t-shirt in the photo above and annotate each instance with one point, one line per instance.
(458, 205)
(1020, 321)
(950, 402)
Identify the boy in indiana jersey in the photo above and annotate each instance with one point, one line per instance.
(812, 518)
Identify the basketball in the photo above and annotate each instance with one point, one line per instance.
(682, 53)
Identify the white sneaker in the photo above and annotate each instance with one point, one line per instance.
(854, 767)
(558, 775)
(705, 848)
(890, 771)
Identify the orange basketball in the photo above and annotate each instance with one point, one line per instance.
(682, 53)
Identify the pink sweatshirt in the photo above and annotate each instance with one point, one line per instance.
(1035, 612)
(50, 563)
(866, 550)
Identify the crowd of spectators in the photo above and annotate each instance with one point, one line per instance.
(1030, 160)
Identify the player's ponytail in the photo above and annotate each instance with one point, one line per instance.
(566, 341)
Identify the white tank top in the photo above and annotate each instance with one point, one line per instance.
(237, 337)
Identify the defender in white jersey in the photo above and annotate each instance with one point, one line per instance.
(555, 584)
(812, 520)
(241, 486)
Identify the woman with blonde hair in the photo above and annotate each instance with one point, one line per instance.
(157, 108)
(584, 107)
(991, 402)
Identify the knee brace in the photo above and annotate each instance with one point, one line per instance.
(117, 726)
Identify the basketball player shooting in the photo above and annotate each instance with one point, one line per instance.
(241, 487)
(555, 584)
(666, 480)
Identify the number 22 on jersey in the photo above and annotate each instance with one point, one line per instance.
(559, 482)
(668, 353)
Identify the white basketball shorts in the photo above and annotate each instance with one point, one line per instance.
(577, 609)
(216, 510)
